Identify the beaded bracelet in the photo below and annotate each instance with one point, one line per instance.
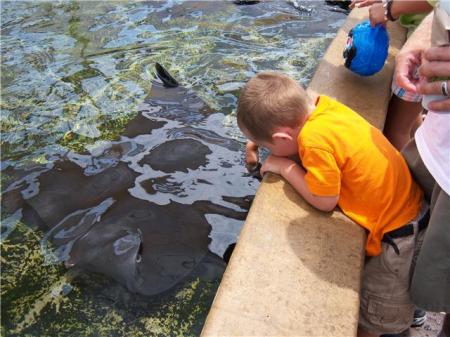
(387, 4)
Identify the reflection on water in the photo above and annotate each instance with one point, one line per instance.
(105, 169)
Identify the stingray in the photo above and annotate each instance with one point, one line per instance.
(147, 247)
(170, 101)
(179, 155)
(65, 189)
(94, 224)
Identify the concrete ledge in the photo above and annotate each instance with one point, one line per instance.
(297, 271)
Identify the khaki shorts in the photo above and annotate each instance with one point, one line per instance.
(386, 306)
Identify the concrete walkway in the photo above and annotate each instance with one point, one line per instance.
(296, 271)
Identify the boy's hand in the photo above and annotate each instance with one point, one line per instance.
(251, 156)
(276, 165)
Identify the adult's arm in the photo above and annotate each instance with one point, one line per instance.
(398, 7)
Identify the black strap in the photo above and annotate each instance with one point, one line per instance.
(405, 231)
(389, 240)
(423, 223)
(408, 229)
(401, 232)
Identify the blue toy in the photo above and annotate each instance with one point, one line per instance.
(367, 49)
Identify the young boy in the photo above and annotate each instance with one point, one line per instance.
(346, 162)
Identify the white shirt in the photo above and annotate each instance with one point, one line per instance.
(433, 144)
(433, 136)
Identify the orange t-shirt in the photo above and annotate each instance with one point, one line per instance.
(344, 155)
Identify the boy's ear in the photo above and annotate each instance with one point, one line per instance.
(282, 134)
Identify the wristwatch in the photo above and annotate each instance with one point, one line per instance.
(387, 5)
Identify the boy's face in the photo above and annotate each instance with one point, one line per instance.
(279, 146)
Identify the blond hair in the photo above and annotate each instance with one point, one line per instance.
(270, 100)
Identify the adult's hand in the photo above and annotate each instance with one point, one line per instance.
(406, 64)
(436, 63)
(362, 3)
(376, 14)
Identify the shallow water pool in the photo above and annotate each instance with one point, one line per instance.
(88, 135)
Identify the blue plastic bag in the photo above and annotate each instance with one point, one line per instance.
(366, 49)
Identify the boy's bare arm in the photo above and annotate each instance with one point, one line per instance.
(295, 175)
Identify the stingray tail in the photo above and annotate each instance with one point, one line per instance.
(165, 76)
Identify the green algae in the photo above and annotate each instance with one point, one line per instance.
(77, 77)
(35, 302)
(110, 129)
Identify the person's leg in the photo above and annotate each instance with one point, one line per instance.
(445, 331)
(431, 295)
(418, 169)
(429, 286)
(446, 325)
(402, 116)
(419, 120)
